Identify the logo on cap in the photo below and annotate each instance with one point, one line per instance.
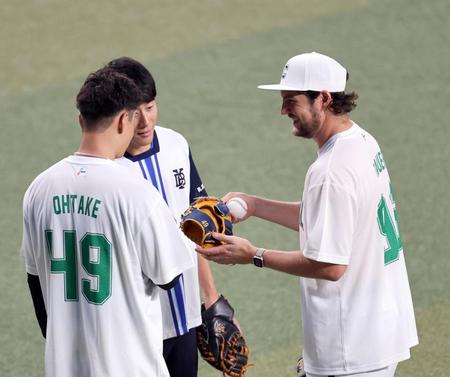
(286, 67)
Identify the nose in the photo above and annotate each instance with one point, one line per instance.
(284, 109)
(143, 119)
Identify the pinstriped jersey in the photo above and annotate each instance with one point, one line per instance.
(169, 167)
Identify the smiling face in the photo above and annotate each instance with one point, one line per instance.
(305, 113)
(143, 137)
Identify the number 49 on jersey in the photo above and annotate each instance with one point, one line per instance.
(389, 228)
(95, 260)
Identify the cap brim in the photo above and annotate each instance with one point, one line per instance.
(278, 87)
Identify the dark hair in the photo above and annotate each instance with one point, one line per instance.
(136, 72)
(105, 93)
(342, 103)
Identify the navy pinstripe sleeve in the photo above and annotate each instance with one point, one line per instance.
(197, 188)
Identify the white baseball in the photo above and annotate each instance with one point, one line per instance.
(238, 208)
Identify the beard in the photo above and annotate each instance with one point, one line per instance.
(306, 129)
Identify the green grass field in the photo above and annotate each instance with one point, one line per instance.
(208, 57)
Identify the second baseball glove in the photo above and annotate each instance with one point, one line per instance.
(220, 342)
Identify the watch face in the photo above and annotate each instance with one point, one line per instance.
(258, 262)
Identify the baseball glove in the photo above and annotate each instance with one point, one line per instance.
(204, 216)
(220, 342)
(300, 368)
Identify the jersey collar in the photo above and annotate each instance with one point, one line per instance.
(154, 148)
(88, 160)
(332, 140)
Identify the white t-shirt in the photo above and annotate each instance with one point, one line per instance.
(166, 165)
(365, 320)
(100, 239)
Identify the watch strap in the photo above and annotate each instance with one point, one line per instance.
(258, 259)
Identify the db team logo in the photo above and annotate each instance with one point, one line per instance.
(180, 180)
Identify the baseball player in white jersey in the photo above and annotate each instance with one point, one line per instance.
(167, 164)
(163, 157)
(358, 317)
(97, 241)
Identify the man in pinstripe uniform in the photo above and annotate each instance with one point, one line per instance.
(164, 158)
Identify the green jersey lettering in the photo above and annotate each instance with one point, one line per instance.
(96, 260)
(390, 229)
(87, 208)
(56, 205)
(81, 205)
(378, 163)
(72, 203)
(66, 265)
(65, 203)
(95, 209)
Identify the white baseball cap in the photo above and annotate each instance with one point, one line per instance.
(311, 71)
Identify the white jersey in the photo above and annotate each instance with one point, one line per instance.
(365, 320)
(100, 239)
(168, 167)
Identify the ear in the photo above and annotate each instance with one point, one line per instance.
(326, 98)
(122, 121)
(80, 121)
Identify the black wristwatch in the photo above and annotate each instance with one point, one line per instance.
(258, 259)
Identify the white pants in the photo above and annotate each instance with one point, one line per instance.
(389, 371)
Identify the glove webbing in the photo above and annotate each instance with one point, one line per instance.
(234, 362)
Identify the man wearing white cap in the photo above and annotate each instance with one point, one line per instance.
(358, 316)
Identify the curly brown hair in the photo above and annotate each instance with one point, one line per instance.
(342, 103)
